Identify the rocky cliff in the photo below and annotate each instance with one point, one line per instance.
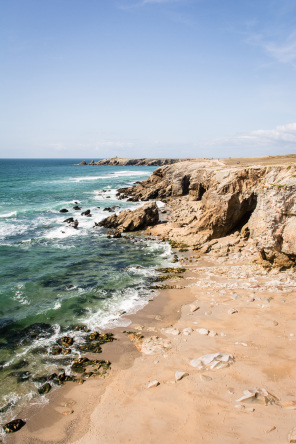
(134, 162)
(208, 200)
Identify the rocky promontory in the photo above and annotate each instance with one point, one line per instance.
(133, 162)
(128, 220)
(208, 200)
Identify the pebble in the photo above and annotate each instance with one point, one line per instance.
(241, 343)
(187, 331)
(275, 323)
(180, 375)
(152, 384)
(205, 378)
(223, 334)
(138, 327)
(232, 311)
(202, 331)
(271, 430)
(212, 333)
(292, 435)
(68, 412)
(193, 307)
(290, 405)
(154, 329)
(171, 331)
(244, 408)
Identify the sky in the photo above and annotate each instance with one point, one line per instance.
(147, 78)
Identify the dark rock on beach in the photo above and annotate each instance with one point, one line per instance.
(13, 426)
(44, 389)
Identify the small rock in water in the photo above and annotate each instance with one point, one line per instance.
(292, 435)
(64, 210)
(44, 389)
(180, 375)
(13, 426)
(202, 331)
(152, 384)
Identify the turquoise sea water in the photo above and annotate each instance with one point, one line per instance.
(53, 276)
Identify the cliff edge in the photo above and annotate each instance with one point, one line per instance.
(208, 200)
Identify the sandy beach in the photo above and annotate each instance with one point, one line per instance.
(246, 311)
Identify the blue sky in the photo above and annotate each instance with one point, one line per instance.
(137, 78)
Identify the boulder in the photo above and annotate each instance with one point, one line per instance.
(76, 208)
(83, 163)
(69, 220)
(64, 210)
(85, 213)
(13, 426)
(128, 220)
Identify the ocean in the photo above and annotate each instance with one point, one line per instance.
(53, 276)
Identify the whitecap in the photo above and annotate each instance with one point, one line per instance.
(11, 214)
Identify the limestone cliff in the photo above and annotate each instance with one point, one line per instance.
(208, 200)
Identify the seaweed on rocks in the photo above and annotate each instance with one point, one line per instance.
(44, 388)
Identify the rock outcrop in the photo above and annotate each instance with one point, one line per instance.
(128, 220)
(209, 200)
(134, 162)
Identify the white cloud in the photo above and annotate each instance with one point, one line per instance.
(262, 142)
(283, 52)
(280, 134)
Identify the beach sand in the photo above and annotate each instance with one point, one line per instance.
(251, 310)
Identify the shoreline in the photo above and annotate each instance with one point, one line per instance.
(233, 303)
(232, 295)
(55, 415)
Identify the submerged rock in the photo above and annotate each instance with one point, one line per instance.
(85, 213)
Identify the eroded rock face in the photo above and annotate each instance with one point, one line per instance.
(209, 200)
(133, 220)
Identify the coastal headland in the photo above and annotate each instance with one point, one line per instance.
(211, 359)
